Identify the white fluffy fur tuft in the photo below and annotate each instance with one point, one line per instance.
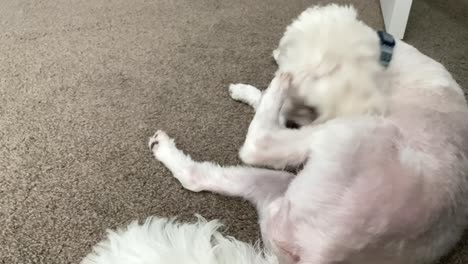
(164, 241)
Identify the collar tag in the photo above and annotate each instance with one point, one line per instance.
(387, 43)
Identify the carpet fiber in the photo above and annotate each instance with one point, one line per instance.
(84, 83)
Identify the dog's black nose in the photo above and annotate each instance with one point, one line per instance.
(291, 124)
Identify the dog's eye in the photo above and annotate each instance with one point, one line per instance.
(312, 110)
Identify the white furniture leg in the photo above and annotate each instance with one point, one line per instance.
(395, 14)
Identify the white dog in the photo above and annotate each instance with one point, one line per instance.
(385, 164)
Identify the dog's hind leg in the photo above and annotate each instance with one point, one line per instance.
(257, 185)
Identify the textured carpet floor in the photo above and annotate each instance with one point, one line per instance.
(84, 83)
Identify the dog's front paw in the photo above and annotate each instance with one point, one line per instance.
(245, 93)
(285, 80)
(242, 92)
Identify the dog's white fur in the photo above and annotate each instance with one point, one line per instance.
(161, 240)
(385, 165)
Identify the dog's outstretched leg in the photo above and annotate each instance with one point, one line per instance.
(258, 185)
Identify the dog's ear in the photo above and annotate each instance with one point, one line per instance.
(276, 54)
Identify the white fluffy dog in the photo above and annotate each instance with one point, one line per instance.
(385, 165)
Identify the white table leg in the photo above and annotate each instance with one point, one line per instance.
(395, 14)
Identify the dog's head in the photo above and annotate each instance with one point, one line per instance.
(334, 60)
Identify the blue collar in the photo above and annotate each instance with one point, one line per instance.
(387, 43)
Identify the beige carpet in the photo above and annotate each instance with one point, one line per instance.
(84, 83)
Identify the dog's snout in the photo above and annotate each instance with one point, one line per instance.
(291, 124)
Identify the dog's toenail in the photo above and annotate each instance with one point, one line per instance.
(152, 144)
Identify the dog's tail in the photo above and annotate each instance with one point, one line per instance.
(165, 241)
